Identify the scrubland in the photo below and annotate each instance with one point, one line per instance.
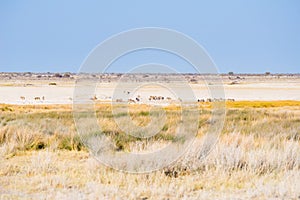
(257, 155)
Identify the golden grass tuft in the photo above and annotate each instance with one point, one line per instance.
(262, 104)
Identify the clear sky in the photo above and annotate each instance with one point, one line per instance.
(241, 36)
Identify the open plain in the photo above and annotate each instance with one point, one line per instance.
(257, 155)
(29, 88)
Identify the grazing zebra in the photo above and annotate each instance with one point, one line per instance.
(94, 98)
(131, 101)
(209, 100)
(37, 98)
(151, 98)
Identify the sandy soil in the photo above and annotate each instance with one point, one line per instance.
(244, 87)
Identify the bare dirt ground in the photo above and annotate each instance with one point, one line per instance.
(31, 88)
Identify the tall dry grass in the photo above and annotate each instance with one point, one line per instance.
(257, 156)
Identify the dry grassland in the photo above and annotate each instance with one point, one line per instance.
(257, 155)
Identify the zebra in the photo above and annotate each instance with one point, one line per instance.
(131, 101)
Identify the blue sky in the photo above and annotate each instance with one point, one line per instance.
(241, 36)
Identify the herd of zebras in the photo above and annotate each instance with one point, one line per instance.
(152, 98)
(35, 98)
(136, 99)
